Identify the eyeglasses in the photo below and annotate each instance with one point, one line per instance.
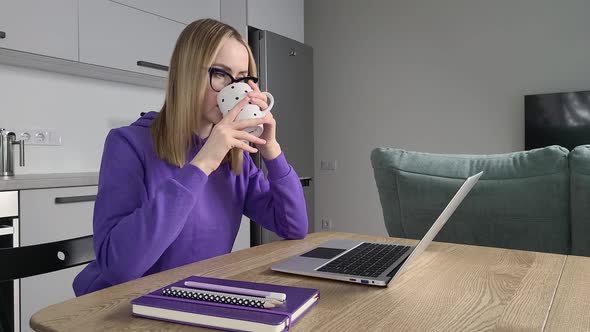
(219, 79)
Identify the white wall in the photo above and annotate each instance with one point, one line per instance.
(82, 110)
(284, 17)
(428, 75)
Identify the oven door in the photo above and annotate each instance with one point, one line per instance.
(9, 290)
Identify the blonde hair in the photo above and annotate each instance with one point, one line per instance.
(188, 78)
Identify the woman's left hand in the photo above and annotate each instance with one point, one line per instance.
(271, 149)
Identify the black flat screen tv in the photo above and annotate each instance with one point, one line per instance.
(557, 118)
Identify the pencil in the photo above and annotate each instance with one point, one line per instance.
(243, 291)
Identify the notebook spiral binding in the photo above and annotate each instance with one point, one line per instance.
(213, 298)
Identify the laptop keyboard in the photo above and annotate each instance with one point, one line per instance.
(366, 260)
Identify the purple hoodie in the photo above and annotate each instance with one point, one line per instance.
(151, 216)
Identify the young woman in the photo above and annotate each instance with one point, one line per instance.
(173, 186)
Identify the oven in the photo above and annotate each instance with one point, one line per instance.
(9, 238)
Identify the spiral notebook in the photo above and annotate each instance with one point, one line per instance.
(234, 312)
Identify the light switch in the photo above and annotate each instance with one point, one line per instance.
(328, 165)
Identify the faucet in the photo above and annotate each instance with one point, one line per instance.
(7, 140)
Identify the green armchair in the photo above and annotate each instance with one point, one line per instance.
(579, 160)
(522, 201)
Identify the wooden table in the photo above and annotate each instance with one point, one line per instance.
(571, 307)
(449, 288)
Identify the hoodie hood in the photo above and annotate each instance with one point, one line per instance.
(146, 119)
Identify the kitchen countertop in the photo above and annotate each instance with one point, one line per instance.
(57, 180)
(52, 180)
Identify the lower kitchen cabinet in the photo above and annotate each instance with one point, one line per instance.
(41, 291)
(48, 215)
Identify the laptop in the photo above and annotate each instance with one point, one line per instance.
(368, 263)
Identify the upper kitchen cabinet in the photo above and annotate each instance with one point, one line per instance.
(118, 36)
(183, 11)
(283, 17)
(41, 27)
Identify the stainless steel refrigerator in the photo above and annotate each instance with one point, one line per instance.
(285, 69)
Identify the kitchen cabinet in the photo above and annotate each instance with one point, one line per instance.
(55, 214)
(183, 11)
(8, 204)
(283, 17)
(48, 215)
(132, 40)
(42, 27)
(107, 39)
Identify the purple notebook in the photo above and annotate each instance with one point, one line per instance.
(226, 316)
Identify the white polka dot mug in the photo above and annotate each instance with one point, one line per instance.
(229, 96)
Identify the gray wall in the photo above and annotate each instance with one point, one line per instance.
(429, 75)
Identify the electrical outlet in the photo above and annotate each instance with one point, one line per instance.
(38, 136)
(326, 224)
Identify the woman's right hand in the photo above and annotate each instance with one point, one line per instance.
(227, 134)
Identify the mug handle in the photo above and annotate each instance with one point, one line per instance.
(271, 102)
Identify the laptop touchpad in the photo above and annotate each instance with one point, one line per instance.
(322, 252)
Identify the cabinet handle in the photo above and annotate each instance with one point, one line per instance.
(2, 34)
(305, 181)
(152, 65)
(75, 199)
(6, 230)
